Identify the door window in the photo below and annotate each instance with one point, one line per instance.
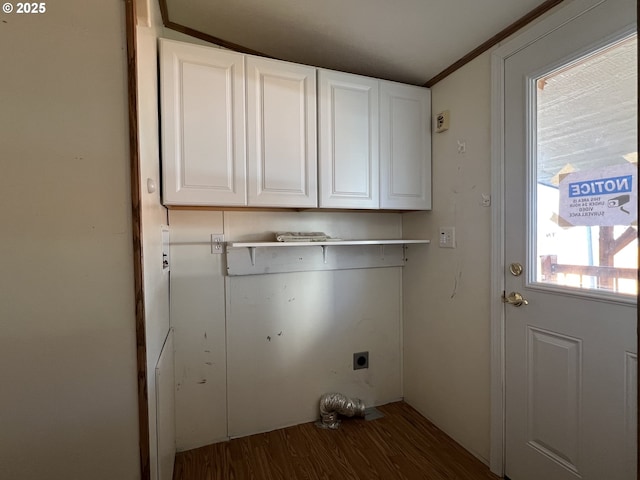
(585, 174)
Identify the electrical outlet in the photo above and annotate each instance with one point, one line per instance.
(360, 360)
(447, 237)
(217, 243)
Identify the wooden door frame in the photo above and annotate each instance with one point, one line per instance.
(136, 220)
(554, 20)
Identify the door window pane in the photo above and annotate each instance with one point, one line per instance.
(586, 172)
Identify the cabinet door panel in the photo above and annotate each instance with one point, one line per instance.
(405, 147)
(202, 101)
(281, 131)
(281, 141)
(349, 121)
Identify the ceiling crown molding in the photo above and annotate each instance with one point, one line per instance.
(499, 37)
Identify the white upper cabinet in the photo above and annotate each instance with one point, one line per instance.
(203, 137)
(208, 156)
(405, 147)
(281, 134)
(240, 130)
(375, 143)
(348, 140)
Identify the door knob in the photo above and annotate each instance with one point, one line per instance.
(515, 298)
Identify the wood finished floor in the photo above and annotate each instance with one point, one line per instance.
(402, 445)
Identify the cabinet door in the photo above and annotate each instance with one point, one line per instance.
(281, 134)
(405, 147)
(202, 105)
(348, 140)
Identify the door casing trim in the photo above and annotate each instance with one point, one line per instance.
(555, 19)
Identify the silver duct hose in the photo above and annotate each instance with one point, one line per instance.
(332, 404)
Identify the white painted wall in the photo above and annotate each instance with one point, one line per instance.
(68, 407)
(154, 215)
(198, 317)
(165, 385)
(222, 351)
(291, 337)
(447, 291)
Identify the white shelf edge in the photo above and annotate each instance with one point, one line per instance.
(320, 244)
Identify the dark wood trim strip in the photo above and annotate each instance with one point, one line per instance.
(493, 41)
(164, 10)
(215, 40)
(136, 218)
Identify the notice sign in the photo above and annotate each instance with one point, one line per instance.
(605, 196)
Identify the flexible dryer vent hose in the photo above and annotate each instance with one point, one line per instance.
(332, 404)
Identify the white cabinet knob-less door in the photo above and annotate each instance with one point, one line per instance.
(203, 137)
(405, 146)
(281, 134)
(348, 140)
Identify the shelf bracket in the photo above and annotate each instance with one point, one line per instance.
(382, 252)
(252, 254)
(324, 253)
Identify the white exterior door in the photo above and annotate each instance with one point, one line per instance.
(281, 134)
(348, 140)
(571, 223)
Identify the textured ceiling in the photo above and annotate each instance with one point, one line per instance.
(409, 41)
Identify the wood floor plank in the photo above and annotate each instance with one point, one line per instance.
(403, 445)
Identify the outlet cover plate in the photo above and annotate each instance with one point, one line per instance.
(217, 243)
(360, 360)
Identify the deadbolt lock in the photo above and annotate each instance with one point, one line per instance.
(516, 269)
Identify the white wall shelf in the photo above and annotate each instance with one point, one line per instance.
(321, 244)
(273, 258)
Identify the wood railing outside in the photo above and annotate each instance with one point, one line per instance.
(606, 277)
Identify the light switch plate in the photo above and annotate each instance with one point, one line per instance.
(447, 238)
